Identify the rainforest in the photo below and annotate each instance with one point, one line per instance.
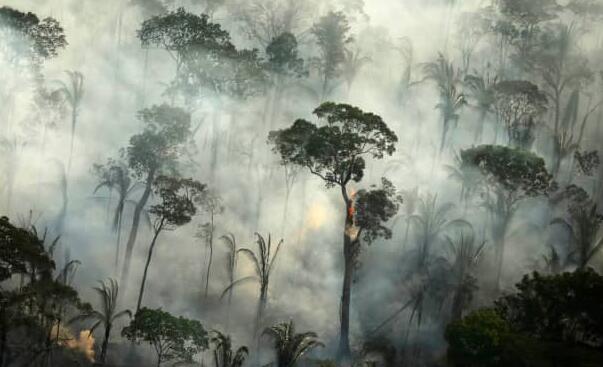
(301, 183)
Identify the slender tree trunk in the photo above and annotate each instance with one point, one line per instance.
(134, 230)
(73, 123)
(210, 243)
(103, 355)
(344, 353)
(146, 266)
(3, 335)
(444, 134)
(118, 242)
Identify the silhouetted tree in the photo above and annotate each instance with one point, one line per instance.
(289, 345)
(151, 153)
(74, 92)
(224, 356)
(336, 153)
(178, 204)
(108, 292)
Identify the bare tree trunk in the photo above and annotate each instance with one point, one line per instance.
(103, 355)
(146, 266)
(134, 230)
(344, 353)
(210, 243)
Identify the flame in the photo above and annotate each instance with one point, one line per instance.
(83, 344)
(352, 230)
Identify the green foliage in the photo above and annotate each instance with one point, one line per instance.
(519, 173)
(289, 345)
(373, 208)
(335, 151)
(224, 356)
(179, 197)
(282, 55)
(480, 339)
(173, 338)
(159, 145)
(29, 37)
(566, 307)
(331, 33)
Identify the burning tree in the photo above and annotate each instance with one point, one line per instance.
(336, 153)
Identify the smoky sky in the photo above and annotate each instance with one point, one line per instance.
(122, 78)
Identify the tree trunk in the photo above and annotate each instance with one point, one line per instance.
(103, 355)
(146, 266)
(134, 230)
(210, 243)
(344, 353)
(73, 122)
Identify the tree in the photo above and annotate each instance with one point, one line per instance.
(331, 33)
(480, 339)
(465, 256)
(212, 206)
(151, 153)
(116, 176)
(518, 103)
(482, 92)
(336, 153)
(289, 345)
(562, 307)
(263, 265)
(583, 224)
(173, 338)
(510, 176)
(108, 292)
(27, 37)
(224, 356)
(73, 92)
(451, 100)
(179, 197)
(231, 263)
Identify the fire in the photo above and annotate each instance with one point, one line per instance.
(84, 343)
(352, 208)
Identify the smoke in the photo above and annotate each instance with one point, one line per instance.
(121, 78)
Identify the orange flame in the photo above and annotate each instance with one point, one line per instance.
(84, 343)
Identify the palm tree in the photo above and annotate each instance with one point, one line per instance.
(231, 263)
(482, 92)
(584, 225)
(431, 223)
(117, 178)
(451, 100)
(411, 199)
(467, 177)
(353, 62)
(263, 264)
(223, 354)
(465, 256)
(289, 345)
(108, 292)
(74, 92)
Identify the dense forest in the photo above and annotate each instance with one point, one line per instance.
(287, 183)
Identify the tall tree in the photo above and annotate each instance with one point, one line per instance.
(332, 38)
(74, 93)
(336, 153)
(116, 176)
(263, 264)
(211, 205)
(151, 153)
(178, 204)
(443, 73)
(510, 175)
(289, 345)
(518, 104)
(108, 292)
